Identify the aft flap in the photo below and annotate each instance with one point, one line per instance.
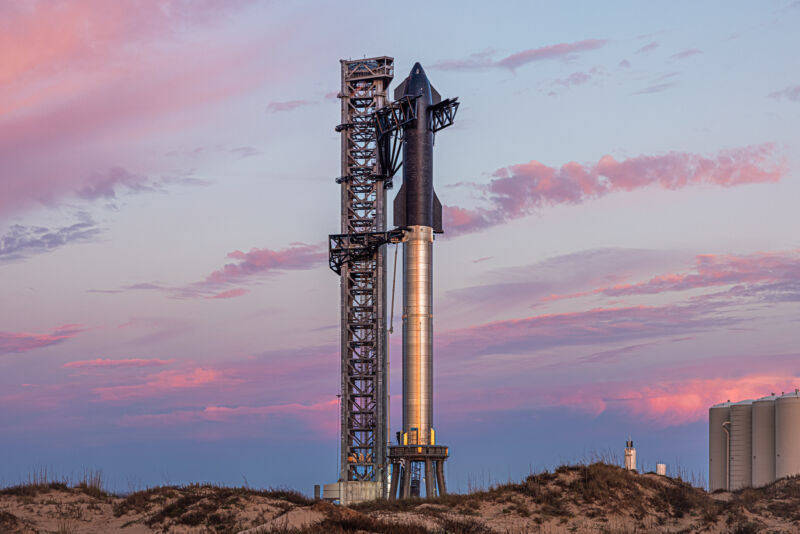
(400, 207)
(437, 215)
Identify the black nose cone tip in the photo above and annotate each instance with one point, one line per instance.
(417, 82)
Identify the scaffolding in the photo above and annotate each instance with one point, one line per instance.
(358, 256)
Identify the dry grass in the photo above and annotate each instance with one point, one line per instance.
(595, 497)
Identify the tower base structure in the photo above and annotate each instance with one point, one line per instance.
(409, 462)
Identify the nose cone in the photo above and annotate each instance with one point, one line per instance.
(418, 83)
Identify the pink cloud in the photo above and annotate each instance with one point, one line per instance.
(106, 78)
(90, 31)
(483, 60)
(687, 53)
(550, 52)
(231, 293)
(275, 107)
(672, 402)
(502, 289)
(649, 47)
(103, 363)
(163, 383)
(248, 265)
(23, 342)
(765, 272)
(320, 417)
(519, 190)
(664, 396)
(298, 256)
(592, 327)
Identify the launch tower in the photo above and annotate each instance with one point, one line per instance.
(357, 256)
(374, 133)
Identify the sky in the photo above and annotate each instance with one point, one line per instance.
(620, 252)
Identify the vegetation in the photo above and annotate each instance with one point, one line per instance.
(596, 496)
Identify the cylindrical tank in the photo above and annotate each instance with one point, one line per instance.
(661, 469)
(741, 463)
(787, 435)
(718, 446)
(763, 441)
(418, 336)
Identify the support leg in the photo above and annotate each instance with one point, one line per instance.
(430, 482)
(440, 477)
(407, 480)
(395, 481)
(402, 481)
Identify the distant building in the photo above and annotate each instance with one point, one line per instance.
(630, 456)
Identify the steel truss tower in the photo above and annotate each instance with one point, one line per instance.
(358, 256)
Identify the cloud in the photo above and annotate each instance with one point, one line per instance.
(483, 60)
(789, 93)
(145, 286)
(245, 151)
(687, 53)
(649, 47)
(65, 94)
(671, 395)
(22, 241)
(576, 78)
(246, 267)
(321, 415)
(591, 327)
(23, 342)
(105, 185)
(257, 261)
(102, 363)
(537, 282)
(163, 383)
(657, 88)
(90, 31)
(519, 190)
(289, 105)
(673, 401)
(624, 64)
(772, 275)
(231, 293)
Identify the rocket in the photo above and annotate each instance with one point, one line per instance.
(418, 210)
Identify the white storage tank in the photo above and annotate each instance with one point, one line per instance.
(718, 446)
(741, 463)
(763, 441)
(787, 435)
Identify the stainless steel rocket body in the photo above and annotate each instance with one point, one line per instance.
(420, 111)
(418, 335)
(418, 210)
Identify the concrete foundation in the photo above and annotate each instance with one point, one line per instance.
(351, 492)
